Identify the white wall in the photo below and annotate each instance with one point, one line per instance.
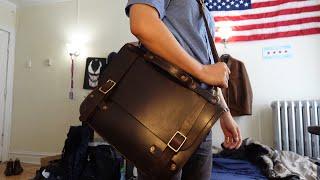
(7, 14)
(7, 23)
(43, 113)
(295, 78)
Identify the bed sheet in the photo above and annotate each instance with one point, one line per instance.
(232, 169)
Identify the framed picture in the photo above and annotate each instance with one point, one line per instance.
(94, 66)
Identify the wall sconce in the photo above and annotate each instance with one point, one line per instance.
(225, 32)
(74, 52)
(77, 41)
(74, 49)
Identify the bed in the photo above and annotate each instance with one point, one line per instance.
(231, 169)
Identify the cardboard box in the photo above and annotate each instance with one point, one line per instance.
(45, 161)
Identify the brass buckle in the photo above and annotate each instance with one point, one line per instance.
(216, 95)
(109, 89)
(172, 148)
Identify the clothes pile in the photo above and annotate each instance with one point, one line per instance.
(274, 164)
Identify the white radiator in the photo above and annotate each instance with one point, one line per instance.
(291, 120)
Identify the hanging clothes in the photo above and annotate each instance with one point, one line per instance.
(239, 94)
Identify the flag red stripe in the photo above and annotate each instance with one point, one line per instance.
(276, 24)
(270, 3)
(272, 35)
(268, 14)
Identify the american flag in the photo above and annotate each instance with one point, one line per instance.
(248, 20)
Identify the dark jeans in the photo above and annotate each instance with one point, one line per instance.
(198, 166)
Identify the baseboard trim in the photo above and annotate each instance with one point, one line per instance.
(30, 156)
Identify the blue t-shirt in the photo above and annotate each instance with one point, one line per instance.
(185, 22)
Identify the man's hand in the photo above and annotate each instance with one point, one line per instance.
(231, 132)
(215, 74)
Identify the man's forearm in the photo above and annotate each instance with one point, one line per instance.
(157, 38)
(223, 101)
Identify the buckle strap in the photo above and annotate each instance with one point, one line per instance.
(122, 63)
(105, 88)
(177, 141)
(95, 97)
(188, 129)
(179, 138)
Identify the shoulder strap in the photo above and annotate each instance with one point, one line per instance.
(211, 41)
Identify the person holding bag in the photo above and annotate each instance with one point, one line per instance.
(175, 31)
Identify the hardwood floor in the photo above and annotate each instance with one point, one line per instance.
(29, 171)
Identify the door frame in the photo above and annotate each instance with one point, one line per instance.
(9, 93)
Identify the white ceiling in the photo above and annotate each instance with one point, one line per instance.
(34, 2)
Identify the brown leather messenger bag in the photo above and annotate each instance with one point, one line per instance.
(152, 112)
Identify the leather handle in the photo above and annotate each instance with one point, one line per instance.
(182, 77)
(214, 51)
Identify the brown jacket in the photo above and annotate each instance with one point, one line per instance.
(239, 93)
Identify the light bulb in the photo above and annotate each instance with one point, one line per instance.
(224, 31)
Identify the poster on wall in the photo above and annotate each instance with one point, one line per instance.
(277, 52)
(94, 66)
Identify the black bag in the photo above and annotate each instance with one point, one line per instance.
(103, 164)
(75, 151)
(53, 171)
(73, 158)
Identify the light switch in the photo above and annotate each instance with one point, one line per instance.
(49, 62)
(29, 64)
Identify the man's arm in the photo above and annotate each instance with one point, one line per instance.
(146, 25)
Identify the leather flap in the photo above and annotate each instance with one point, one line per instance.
(154, 97)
